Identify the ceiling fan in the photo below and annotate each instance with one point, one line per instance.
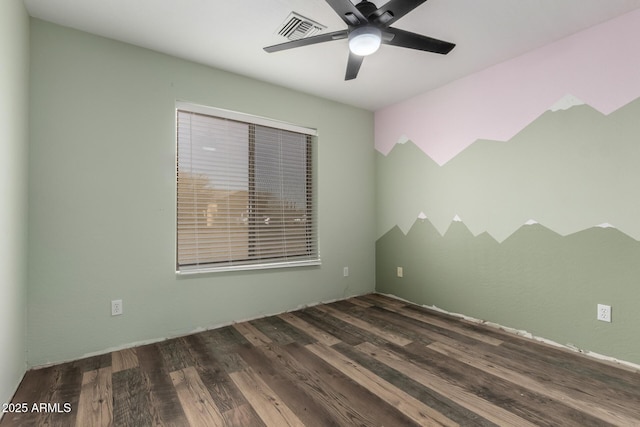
(368, 27)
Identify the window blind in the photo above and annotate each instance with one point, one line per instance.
(244, 194)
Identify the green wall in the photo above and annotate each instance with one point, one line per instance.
(14, 90)
(536, 280)
(102, 198)
(545, 229)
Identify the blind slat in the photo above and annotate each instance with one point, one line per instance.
(244, 194)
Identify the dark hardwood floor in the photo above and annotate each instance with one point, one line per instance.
(370, 361)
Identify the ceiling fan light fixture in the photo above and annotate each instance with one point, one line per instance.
(365, 40)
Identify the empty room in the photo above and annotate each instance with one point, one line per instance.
(319, 212)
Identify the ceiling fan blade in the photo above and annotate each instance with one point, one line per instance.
(336, 35)
(394, 10)
(411, 40)
(348, 12)
(353, 66)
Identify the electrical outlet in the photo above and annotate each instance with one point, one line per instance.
(345, 272)
(399, 272)
(116, 307)
(604, 313)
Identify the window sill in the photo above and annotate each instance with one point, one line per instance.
(189, 271)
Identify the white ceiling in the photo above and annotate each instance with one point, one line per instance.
(230, 35)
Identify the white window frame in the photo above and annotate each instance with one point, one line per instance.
(261, 121)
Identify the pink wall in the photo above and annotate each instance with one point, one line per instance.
(599, 66)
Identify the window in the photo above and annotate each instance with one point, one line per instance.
(245, 192)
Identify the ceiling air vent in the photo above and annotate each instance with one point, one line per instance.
(297, 27)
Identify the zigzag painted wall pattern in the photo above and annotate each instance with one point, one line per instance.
(569, 170)
(599, 66)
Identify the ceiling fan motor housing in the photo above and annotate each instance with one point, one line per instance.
(366, 8)
(373, 14)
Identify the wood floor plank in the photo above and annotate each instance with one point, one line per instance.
(55, 384)
(197, 403)
(31, 387)
(454, 392)
(353, 403)
(223, 343)
(586, 403)
(383, 319)
(378, 299)
(93, 363)
(65, 391)
(124, 359)
(213, 374)
(280, 331)
(456, 324)
(613, 377)
(596, 388)
(367, 326)
(311, 330)
(424, 394)
(288, 383)
(459, 327)
(431, 318)
(174, 354)
(164, 406)
(242, 416)
(507, 395)
(307, 378)
(421, 325)
(252, 334)
(95, 407)
(228, 360)
(349, 403)
(340, 329)
(330, 325)
(235, 409)
(413, 408)
(225, 338)
(130, 399)
(264, 400)
(359, 302)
